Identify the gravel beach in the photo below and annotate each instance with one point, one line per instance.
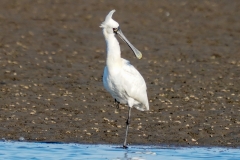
(52, 56)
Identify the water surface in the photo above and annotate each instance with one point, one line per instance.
(40, 151)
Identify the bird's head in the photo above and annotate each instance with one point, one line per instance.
(109, 24)
(112, 27)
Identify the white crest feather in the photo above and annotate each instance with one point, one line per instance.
(108, 17)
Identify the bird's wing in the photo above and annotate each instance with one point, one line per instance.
(105, 83)
(133, 83)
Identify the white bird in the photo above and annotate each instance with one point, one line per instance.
(120, 78)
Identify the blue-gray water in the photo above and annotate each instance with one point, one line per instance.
(39, 151)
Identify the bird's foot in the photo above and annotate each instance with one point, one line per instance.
(125, 147)
(117, 106)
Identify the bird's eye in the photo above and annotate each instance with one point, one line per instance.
(115, 29)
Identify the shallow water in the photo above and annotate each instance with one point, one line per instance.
(37, 151)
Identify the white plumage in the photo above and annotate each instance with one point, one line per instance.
(126, 85)
(120, 78)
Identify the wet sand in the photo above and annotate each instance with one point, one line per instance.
(52, 55)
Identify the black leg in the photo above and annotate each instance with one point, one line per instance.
(127, 123)
(117, 106)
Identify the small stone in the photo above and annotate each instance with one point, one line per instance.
(21, 139)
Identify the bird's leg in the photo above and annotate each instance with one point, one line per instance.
(127, 123)
(117, 106)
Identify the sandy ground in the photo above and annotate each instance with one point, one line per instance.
(52, 55)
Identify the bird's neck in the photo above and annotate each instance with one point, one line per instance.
(113, 50)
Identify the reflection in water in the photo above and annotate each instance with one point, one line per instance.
(26, 150)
